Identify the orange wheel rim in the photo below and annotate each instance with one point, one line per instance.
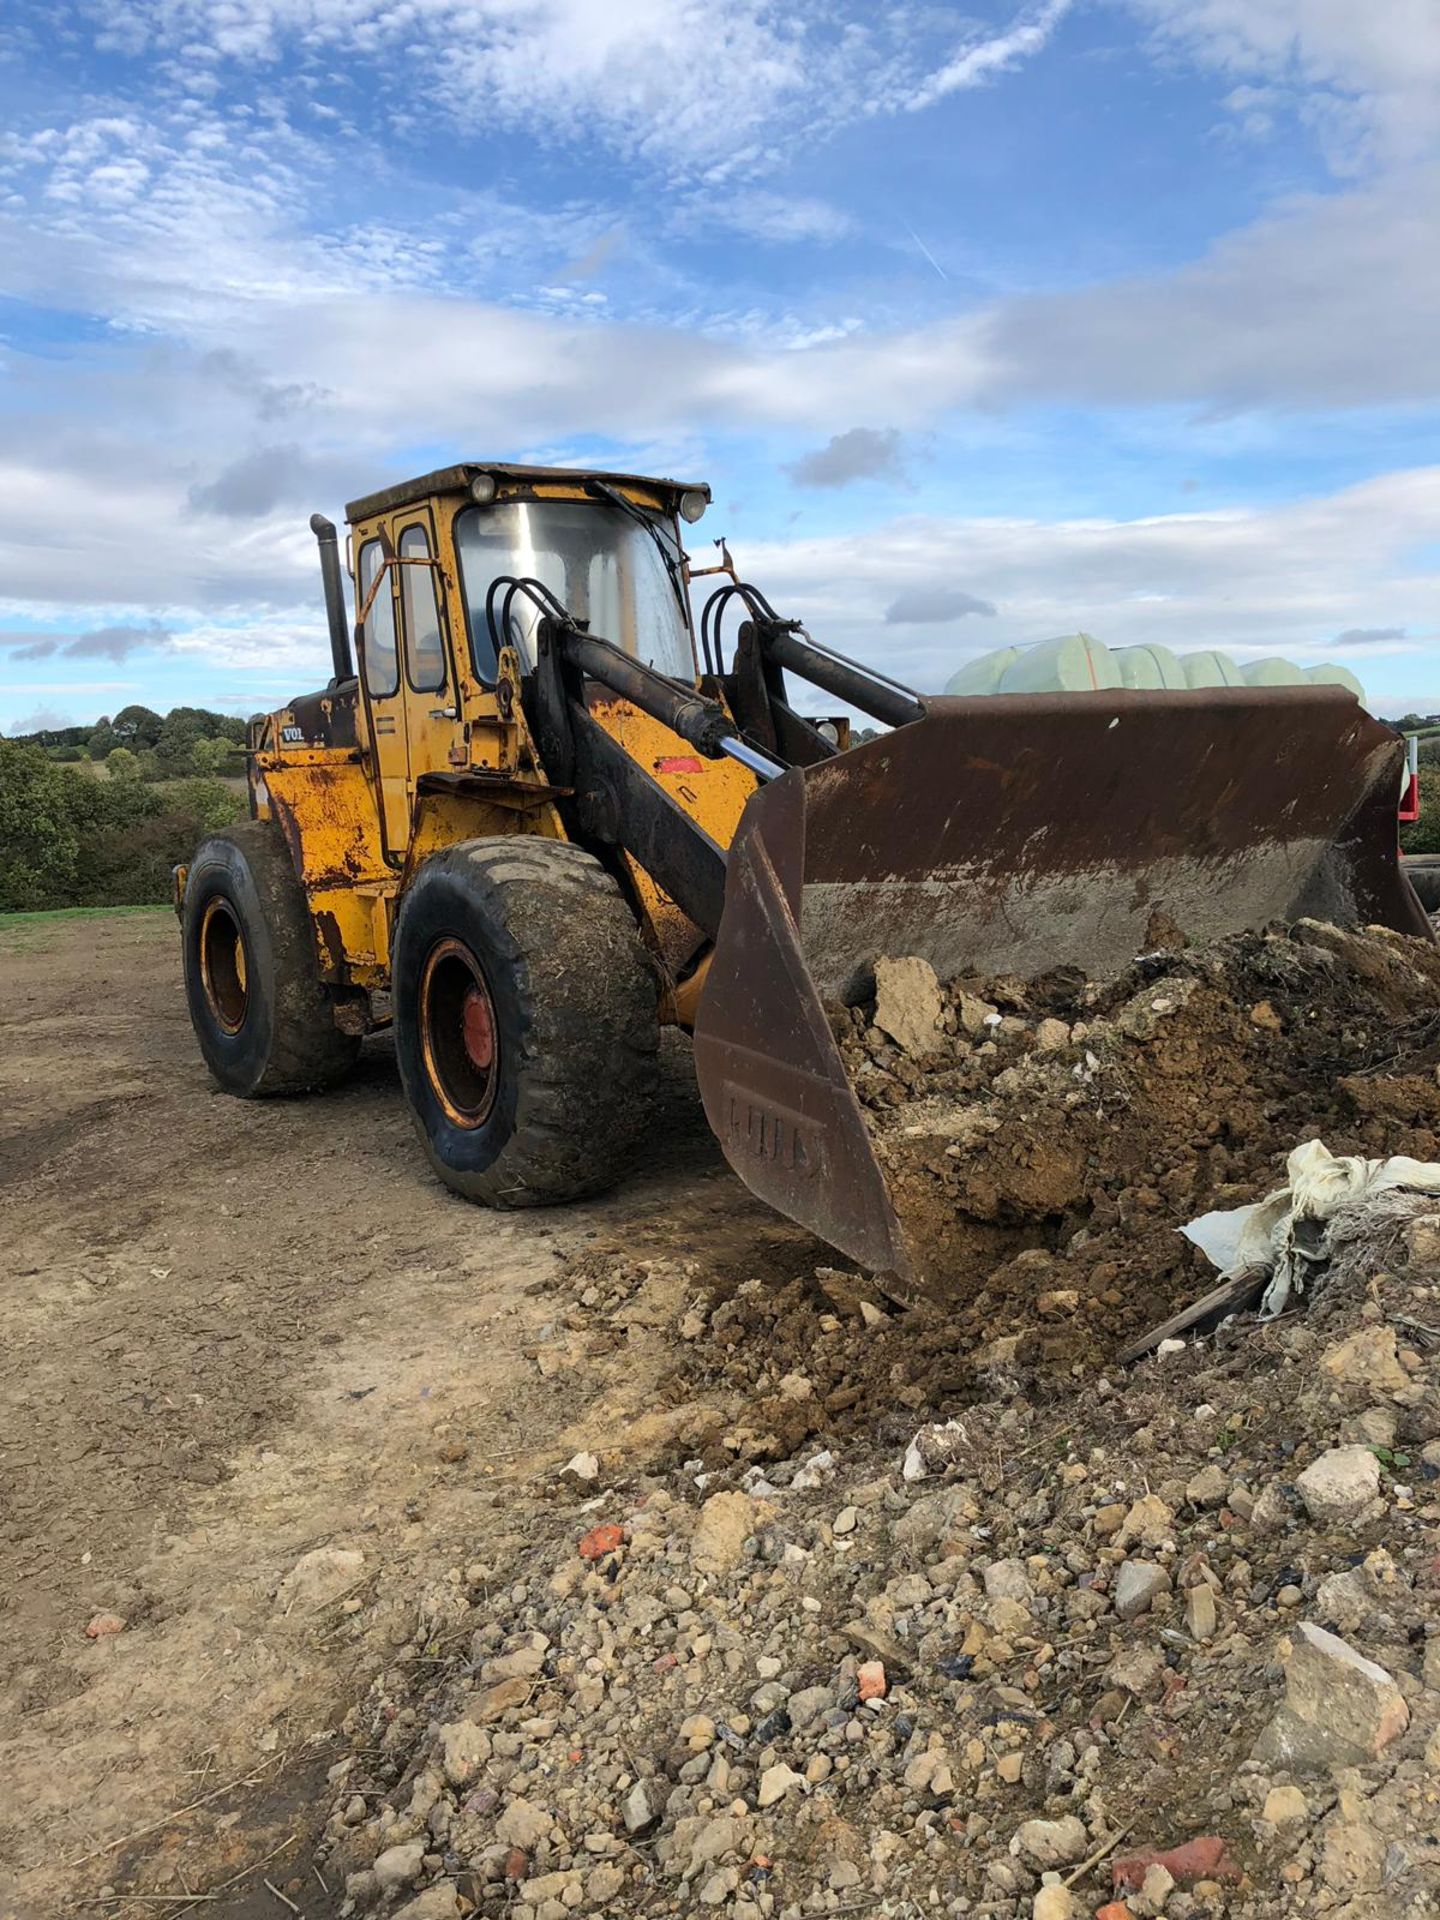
(224, 966)
(459, 1043)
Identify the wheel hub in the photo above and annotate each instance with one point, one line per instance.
(458, 1040)
(224, 969)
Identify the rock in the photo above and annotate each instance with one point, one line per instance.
(1109, 1520)
(496, 1702)
(1344, 1600)
(464, 1749)
(103, 1625)
(435, 1903)
(1201, 1616)
(1353, 1857)
(354, 1810)
(725, 1523)
(1284, 1806)
(603, 1883)
(1137, 1586)
(775, 1783)
(1051, 1035)
(1272, 1510)
(1051, 1843)
(644, 1804)
(908, 1003)
(845, 1521)
(400, 1866)
(1053, 1903)
(1137, 1670)
(1149, 1523)
(871, 1681)
(318, 1578)
(1008, 1580)
(808, 1705)
(1264, 1016)
(1009, 1768)
(1422, 1240)
(583, 1466)
(935, 1519)
(1340, 1486)
(601, 1541)
(1209, 1487)
(1340, 1709)
(975, 1014)
(1367, 1358)
(1156, 1888)
(522, 1824)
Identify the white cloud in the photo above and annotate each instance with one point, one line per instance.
(1259, 580)
(1367, 74)
(699, 89)
(984, 57)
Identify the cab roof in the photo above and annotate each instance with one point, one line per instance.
(457, 479)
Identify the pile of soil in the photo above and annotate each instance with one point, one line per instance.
(1046, 1138)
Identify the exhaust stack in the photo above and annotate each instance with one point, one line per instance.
(324, 532)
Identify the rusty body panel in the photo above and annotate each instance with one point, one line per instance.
(1009, 834)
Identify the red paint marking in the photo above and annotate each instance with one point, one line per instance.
(678, 763)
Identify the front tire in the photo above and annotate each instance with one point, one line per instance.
(264, 1021)
(525, 1021)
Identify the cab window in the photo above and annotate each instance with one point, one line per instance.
(424, 648)
(377, 635)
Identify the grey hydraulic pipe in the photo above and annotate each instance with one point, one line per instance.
(324, 532)
(856, 685)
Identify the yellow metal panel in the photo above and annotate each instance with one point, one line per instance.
(326, 809)
(712, 792)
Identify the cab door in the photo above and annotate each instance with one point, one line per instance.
(384, 692)
(432, 704)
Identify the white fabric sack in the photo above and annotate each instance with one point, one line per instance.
(1285, 1233)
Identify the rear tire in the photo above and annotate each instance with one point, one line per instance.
(525, 1021)
(264, 1021)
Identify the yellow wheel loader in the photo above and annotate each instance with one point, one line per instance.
(530, 819)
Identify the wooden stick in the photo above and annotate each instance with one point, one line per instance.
(1095, 1858)
(284, 1899)
(1239, 1291)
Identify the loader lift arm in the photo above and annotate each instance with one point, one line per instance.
(616, 801)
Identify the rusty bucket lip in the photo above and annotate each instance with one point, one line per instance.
(964, 792)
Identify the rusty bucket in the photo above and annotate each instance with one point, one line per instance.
(1006, 835)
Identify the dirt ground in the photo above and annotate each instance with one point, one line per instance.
(237, 1333)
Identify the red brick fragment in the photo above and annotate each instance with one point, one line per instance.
(602, 1540)
(1203, 1858)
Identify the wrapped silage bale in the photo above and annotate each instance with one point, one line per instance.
(1208, 667)
(1273, 673)
(1331, 675)
(983, 675)
(1071, 663)
(1148, 668)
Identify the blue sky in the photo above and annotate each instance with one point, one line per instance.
(985, 324)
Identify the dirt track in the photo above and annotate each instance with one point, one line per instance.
(236, 1333)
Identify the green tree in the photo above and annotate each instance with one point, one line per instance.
(182, 729)
(137, 727)
(121, 764)
(103, 741)
(38, 838)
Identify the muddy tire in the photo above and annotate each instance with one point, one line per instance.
(264, 1021)
(525, 1021)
